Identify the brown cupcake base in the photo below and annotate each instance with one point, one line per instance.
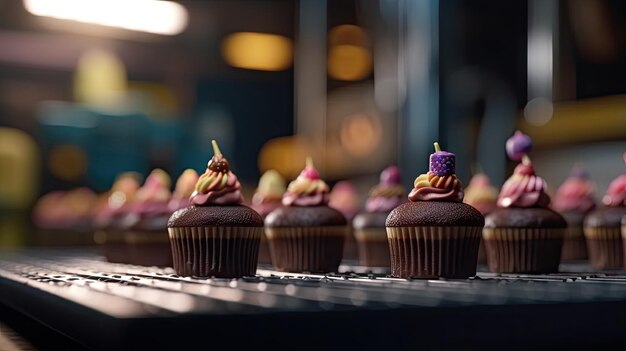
(605, 247)
(317, 249)
(112, 245)
(149, 248)
(433, 252)
(223, 252)
(264, 251)
(574, 245)
(523, 250)
(350, 250)
(373, 247)
(482, 253)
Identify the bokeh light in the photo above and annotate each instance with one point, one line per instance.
(258, 51)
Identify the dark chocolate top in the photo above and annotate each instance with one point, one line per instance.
(530, 217)
(435, 213)
(605, 217)
(369, 220)
(296, 216)
(218, 216)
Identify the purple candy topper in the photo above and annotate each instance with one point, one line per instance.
(518, 145)
(391, 176)
(442, 163)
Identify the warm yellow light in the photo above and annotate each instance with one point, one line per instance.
(258, 51)
(67, 162)
(360, 134)
(99, 79)
(349, 62)
(285, 154)
(152, 16)
(347, 34)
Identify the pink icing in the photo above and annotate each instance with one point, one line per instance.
(382, 204)
(316, 199)
(524, 189)
(436, 194)
(616, 193)
(575, 195)
(230, 194)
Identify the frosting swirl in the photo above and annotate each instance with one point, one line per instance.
(616, 193)
(154, 195)
(524, 188)
(218, 185)
(440, 183)
(185, 185)
(270, 189)
(388, 194)
(481, 194)
(307, 189)
(575, 194)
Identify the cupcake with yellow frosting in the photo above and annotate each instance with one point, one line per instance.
(435, 234)
(216, 235)
(267, 197)
(482, 195)
(305, 234)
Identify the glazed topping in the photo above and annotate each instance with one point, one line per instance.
(388, 194)
(440, 183)
(186, 183)
(524, 188)
(576, 193)
(156, 188)
(308, 189)
(218, 185)
(480, 191)
(270, 189)
(518, 145)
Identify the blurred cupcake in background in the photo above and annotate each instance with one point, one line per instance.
(345, 199)
(305, 234)
(602, 227)
(369, 225)
(185, 185)
(111, 220)
(574, 199)
(483, 196)
(266, 198)
(147, 238)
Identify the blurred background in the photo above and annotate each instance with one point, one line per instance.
(91, 89)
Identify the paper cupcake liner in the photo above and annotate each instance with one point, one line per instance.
(574, 244)
(373, 247)
(350, 249)
(264, 251)
(523, 250)
(482, 254)
(223, 252)
(112, 245)
(307, 249)
(433, 252)
(149, 248)
(605, 247)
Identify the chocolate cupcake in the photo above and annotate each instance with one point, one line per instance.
(369, 226)
(602, 228)
(483, 196)
(574, 199)
(185, 186)
(112, 220)
(147, 239)
(216, 235)
(523, 235)
(435, 234)
(267, 197)
(305, 234)
(343, 197)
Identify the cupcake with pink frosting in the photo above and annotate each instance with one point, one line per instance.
(305, 234)
(147, 238)
(602, 227)
(574, 199)
(185, 186)
(435, 234)
(523, 235)
(216, 236)
(369, 225)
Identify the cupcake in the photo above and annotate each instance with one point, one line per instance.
(344, 198)
(305, 234)
(216, 236)
(185, 186)
(111, 221)
(602, 227)
(267, 197)
(523, 235)
(369, 225)
(482, 196)
(435, 234)
(147, 237)
(574, 199)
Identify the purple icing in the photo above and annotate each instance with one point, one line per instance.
(518, 145)
(442, 163)
(391, 176)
